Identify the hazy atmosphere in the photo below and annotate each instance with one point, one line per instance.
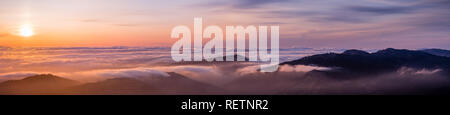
(124, 47)
(324, 24)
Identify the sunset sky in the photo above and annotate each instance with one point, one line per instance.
(314, 23)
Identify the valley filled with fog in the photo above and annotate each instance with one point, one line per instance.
(150, 70)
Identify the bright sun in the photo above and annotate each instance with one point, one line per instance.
(26, 31)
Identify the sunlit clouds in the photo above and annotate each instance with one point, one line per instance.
(88, 62)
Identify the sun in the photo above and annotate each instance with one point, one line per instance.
(26, 31)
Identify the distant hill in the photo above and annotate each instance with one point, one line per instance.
(438, 52)
(173, 84)
(384, 60)
(114, 86)
(37, 84)
(49, 84)
(179, 84)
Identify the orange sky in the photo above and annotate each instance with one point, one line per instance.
(344, 24)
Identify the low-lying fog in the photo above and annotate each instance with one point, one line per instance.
(90, 65)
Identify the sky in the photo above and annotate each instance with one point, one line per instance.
(412, 24)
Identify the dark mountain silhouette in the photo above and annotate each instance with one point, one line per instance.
(438, 52)
(173, 84)
(38, 84)
(382, 61)
(356, 52)
(50, 84)
(179, 84)
(264, 83)
(114, 86)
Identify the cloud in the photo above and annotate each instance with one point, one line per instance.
(126, 25)
(119, 24)
(252, 69)
(91, 20)
(359, 14)
(207, 74)
(200, 73)
(241, 4)
(413, 71)
(74, 59)
(289, 80)
(248, 70)
(301, 68)
(330, 23)
(96, 64)
(16, 75)
(103, 74)
(381, 10)
(137, 72)
(245, 4)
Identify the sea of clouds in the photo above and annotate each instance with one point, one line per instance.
(87, 64)
(93, 63)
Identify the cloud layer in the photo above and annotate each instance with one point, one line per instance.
(99, 64)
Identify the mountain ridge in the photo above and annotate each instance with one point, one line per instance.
(389, 59)
(438, 52)
(37, 84)
(44, 84)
